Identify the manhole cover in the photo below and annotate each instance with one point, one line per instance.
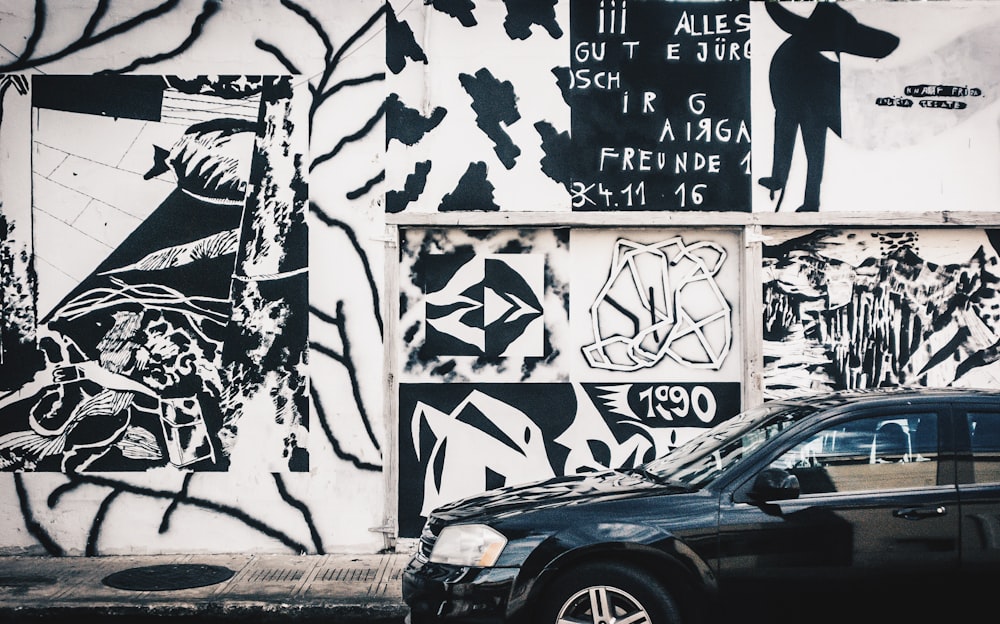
(171, 576)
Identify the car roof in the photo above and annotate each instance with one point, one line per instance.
(889, 395)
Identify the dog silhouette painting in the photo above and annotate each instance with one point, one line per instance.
(805, 87)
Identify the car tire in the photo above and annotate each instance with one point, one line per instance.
(618, 590)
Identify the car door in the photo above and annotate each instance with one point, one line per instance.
(978, 438)
(873, 506)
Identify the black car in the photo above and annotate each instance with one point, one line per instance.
(874, 499)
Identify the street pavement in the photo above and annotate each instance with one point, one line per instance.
(262, 588)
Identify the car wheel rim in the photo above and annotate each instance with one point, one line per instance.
(602, 605)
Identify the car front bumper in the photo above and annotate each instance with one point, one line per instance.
(446, 593)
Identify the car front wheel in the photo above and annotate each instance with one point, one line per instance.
(607, 593)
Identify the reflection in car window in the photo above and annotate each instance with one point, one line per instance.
(984, 431)
(899, 451)
(705, 457)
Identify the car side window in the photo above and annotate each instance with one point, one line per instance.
(877, 453)
(984, 432)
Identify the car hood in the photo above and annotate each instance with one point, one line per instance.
(560, 492)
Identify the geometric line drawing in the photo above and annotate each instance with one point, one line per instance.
(661, 300)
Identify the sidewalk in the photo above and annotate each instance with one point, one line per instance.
(331, 588)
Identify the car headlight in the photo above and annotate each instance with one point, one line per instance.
(475, 545)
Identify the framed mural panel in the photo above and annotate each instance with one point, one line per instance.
(145, 207)
(867, 308)
(484, 304)
(655, 304)
(597, 105)
(475, 116)
(461, 439)
(660, 98)
(875, 106)
(639, 352)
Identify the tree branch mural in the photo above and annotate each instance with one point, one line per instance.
(263, 355)
(90, 37)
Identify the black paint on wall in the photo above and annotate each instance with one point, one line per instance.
(397, 201)
(406, 124)
(805, 87)
(459, 9)
(495, 105)
(128, 97)
(692, 60)
(400, 44)
(523, 14)
(474, 191)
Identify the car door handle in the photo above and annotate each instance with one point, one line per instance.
(919, 513)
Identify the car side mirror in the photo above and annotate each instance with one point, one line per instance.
(774, 484)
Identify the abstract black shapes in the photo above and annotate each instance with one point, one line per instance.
(400, 44)
(522, 14)
(406, 124)
(560, 160)
(482, 308)
(494, 103)
(474, 192)
(459, 9)
(227, 87)
(397, 201)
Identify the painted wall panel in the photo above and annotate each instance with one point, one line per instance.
(484, 304)
(75, 203)
(561, 345)
(614, 346)
(461, 439)
(596, 106)
(660, 99)
(655, 305)
(876, 308)
(467, 132)
(874, 106)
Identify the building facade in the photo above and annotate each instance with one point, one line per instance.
(282, 276)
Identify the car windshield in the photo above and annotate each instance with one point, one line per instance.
(706, 456)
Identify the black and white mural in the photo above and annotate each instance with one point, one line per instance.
(655, 304)
(612, 348)
(133, 327)
(599, 105)
(875, 106)
(142, 362)
(485, 304)
(465, 132)
(660, 101)
(461, 439)
(194, 199)
(162, 210)
(880, 308)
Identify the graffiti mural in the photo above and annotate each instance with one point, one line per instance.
(595, 120)
(134, 338)
(875, 106)
(463, 439)
(199, 199)
(485, 304)
(173, 345)
(651, 315)
(869, 309)
(464, 132)
(660, 101)
(655, 305)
